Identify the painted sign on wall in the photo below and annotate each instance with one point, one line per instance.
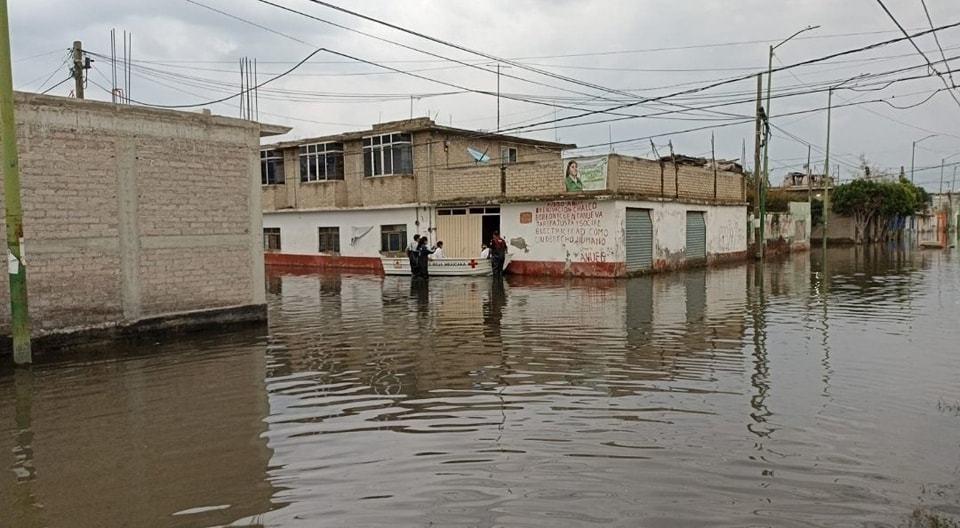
(577, 225)
(585, 174)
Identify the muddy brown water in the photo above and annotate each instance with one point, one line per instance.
(800, 393)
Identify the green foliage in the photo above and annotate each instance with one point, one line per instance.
(878, 198)
(778, 201)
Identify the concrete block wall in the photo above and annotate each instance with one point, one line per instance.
(468, 182)
(642, 176)
(535, 179)
(132, 213)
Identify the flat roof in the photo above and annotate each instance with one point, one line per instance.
(416, 125)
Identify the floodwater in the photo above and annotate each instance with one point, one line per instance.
(794, 394)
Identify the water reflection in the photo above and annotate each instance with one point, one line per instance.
(801, 392)
(168, 439)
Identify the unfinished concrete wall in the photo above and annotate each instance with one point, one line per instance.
(133, 213)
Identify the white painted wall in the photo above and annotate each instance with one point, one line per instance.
(593, 230)
(574, 231)
(299, 235)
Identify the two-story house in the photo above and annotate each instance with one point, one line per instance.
(345, 200)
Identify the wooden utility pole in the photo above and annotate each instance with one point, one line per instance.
(16, 267)
(758, 143)
(78, 69)
(809, 188)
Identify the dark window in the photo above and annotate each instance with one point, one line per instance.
(393, 238)
(508, 155)
(388, 154)
(271, 238)
(329, 239)
(271, 167)
(443, 212)
(321, 162)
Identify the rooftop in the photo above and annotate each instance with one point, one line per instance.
(419, 124)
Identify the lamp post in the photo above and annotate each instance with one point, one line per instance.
(766, 144)
(913, 153)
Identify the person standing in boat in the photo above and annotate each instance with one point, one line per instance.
(498, 253)
(423, 255)
(412, 254)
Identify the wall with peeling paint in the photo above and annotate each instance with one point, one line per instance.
(587, 237)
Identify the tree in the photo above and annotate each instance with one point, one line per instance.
(870, 202)
(860, 199)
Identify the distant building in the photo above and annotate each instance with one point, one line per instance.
(136, 218)
(345, 200)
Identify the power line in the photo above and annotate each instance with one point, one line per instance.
(935, 37)
(920, 51)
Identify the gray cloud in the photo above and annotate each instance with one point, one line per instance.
(174, 30)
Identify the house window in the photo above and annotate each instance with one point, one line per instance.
(387, 154)
(329, 239)
(271, 239)
(393, 238)
(508, 155)
(321, 162)
(271, 167)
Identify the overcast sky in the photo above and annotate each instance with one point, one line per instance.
(184, 53)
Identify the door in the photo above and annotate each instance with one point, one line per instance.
(461, 234)
(696, 236)
(639, 240)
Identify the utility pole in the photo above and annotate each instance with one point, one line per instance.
(78, 69)
(826, 176)
(498, 97)
(19, 315)
(809, 184)
(713, 156)
(942, 161)
(913, 152)
(758, 143)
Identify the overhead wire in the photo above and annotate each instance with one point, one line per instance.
(936, 38)
(920, 51)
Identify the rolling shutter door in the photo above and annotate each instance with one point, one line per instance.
(639, 240)
(696, 236)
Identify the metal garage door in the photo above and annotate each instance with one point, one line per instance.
(639, 240)
(696, 236)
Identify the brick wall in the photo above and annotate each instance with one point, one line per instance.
(642, 176)
(468, 182)
(535, 179)
(132, 213)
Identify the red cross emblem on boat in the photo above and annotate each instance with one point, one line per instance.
(473, 263)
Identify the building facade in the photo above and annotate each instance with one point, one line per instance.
(346, 200)
(136, 217)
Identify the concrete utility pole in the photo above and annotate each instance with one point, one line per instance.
(826, 176)
(913, 153)
(78, 69)
(758, 144)
(809, 184)
(766, 144)
(942, 162)
(16, 267)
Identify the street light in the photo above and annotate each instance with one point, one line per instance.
(913, 152)
(766, 143)
(943, 161)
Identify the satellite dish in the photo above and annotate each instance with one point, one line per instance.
(479, 157)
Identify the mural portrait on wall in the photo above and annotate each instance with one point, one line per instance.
(585, 174)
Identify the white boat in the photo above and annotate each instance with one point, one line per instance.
(447, 267)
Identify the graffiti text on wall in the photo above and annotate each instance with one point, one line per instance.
(575, 224)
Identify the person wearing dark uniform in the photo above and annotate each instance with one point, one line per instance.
(423, 258)
(498, 253)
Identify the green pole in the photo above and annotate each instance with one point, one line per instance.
(826, 175)
(19, 316)
(765, 180)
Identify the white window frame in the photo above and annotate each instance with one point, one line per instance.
(319, 152)
(384, 144)
(266, 157)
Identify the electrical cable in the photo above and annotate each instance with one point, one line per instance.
(920, 51)
(935, 37)
(55, 85)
